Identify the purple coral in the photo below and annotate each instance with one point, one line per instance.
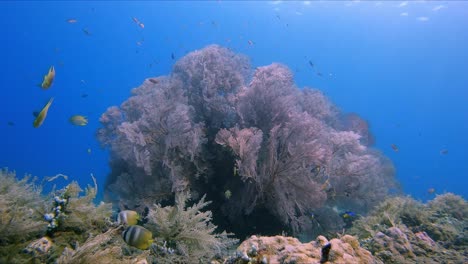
(274, 147)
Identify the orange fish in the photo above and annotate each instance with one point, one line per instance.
(395, 147)
(72, 21)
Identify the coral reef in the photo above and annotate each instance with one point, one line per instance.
(21, 205)
(213, 127)
(402, 230)
(186, 234)
(36, 228)
(289, 250)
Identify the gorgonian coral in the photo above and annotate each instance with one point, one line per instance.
(214, 127)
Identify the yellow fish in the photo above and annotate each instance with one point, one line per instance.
(138, 236)
(128, 217)
(42, 115)
(79, 120)
(49, 78)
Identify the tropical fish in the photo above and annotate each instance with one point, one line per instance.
(311, 64)
(227, 194)
(11, 123)
(444, 151)
(135, 20)
(431, 191)
(49, 78)
(348, 214)
(79, 120)
(88, 150)
(153, 80)
(72, 20)
(326, 185)
(172, 56)
(312, 216)
(42, 114)
(86, 32)
(128, 217)
(141, 25)
(250, 42)
(316, 170)
(138, 236)
(395, 147)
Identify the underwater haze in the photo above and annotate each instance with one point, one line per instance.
(401, 66)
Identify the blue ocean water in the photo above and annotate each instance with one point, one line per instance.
(402, 66)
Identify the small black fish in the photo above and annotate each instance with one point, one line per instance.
(11, 123)
(86, 31)
(325, 253)
(84, 95)
(311, 64)
(173, 56)
(319, 74)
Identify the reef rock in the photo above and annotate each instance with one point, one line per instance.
(280, 249)
(39, 247)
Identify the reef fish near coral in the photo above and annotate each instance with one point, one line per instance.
(138, 236)
(128, 217)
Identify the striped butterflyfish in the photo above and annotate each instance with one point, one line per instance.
(128, 217)
(138, 236)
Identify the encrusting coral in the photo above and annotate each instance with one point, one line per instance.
(289, 250)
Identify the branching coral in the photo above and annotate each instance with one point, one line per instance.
(21, 208)
(186, 232)
(81, 214)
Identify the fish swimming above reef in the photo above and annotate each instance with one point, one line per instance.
(48, 78)
(395, 147)
(42, 114)
(128, 217)
(138, 236)
(79, 120)
(431, 191)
